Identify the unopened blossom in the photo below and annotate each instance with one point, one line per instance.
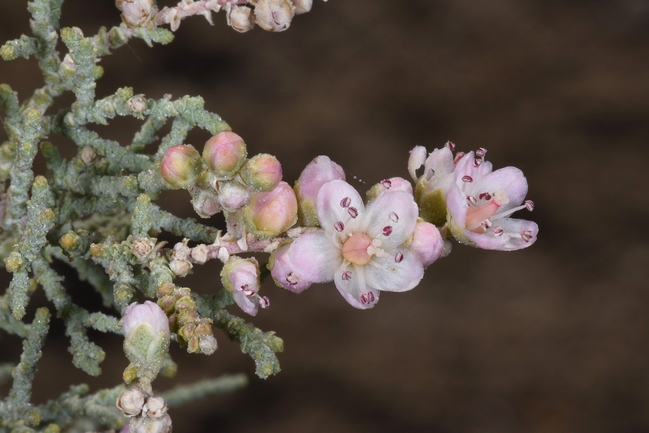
(270, 213)
(262, 172)
(136, 13)
(225, 153)
(241, 18)
(431, 188)
(130, 402)
(427, 243)
(480, 202)
(148, 314)
(241, 277)
(318, 172)
(181, 166)
(361, 248)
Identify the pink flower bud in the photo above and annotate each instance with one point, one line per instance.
(270, 213)
(427, 243)
(181, 166)
(283, 273)
(233, 195)
(262, 172)
(274, 15)
(149, 314)
(318, 172)
(225, 153)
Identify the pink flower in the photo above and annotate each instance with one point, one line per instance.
(241, 277)
(361, 248)
(480, 202)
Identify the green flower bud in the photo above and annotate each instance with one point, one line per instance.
(181, 166)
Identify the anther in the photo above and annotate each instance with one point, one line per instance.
(291, 279)
(345, 202)
(339, 226)
(471, 201)
(398, 257)
(370, 296)
(481, 152)
(394, 217)
(364, 299)
(458, 156)
(450, 146)
(529, 204)
(498, 231)
(467, 179)
(352, 211)
(387, 230)
(347, 275)
(477, 163)
(526, 235)
(387, 184)
(484, 196)
(264, 302)
(486, 224)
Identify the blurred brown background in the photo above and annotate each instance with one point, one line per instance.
(550, 339)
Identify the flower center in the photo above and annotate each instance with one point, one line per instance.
(355, 249)
(475, 215)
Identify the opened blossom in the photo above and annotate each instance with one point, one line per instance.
(363, 249)
(481, 201)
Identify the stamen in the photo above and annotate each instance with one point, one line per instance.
(352, 211)
(498, 231)
(247, 292)
(471, 201)
(450, 146)
(486, 224)
(364, 299)
(481, 152)
(477, 163)
(370, 296)
(529, 204)
(394, 217)
(467, 179)
(292, 279)
(347, 275)
(387, 230)
(345, 202)
(484, 196)
(526, 235)
(339, 226)
(386, 184)
(264, 302)
(398, 257)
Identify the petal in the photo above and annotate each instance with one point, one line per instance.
(350, 282)
(338, 201)
(245, 303)
(427, 243)
(457, 205)
(315, 256)
(508, 179)
(440, 161)
(510, 240)
(283, 272)
(394, 274)
(416, 159)
(396, 210)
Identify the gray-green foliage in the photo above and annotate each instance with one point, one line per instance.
(87, 211)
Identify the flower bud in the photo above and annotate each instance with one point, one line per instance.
(392, 184)
(318, 172)
(270, 213)
(146, 332)
(181, 166)
(136, 13)
(233, 195)
(262, 172)
(225, 153)
(241, 18)
(274, 15)
(130, 402)
(302, 6)
(142, 247)
(150, 425)
(426, 242)
(281, 269)
(241, 277)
